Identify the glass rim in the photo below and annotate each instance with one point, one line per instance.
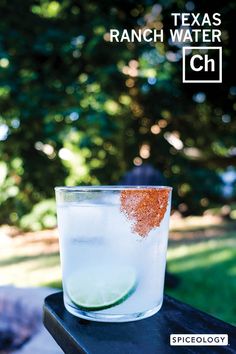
(107, 188)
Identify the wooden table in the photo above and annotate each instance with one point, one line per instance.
(148, 336)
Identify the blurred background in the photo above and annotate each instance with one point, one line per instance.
(76, 109)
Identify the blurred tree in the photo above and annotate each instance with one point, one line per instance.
(78, 109)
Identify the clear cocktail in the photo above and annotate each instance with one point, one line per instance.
(113, 244)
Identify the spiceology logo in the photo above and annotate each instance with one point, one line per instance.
(198, 339)
(200, 63)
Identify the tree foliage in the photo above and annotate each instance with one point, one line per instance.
(77, 109)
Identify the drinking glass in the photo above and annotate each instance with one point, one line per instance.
(113, 243)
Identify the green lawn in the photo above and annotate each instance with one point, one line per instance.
(207, 271)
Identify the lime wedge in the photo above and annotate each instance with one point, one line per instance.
(96, 288)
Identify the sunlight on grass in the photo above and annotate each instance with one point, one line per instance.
(30, 271)
(200, 255)
(206, 272)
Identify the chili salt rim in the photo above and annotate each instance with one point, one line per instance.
(145, 210)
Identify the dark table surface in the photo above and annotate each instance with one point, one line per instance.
(147, 336)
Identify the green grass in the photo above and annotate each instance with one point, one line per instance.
(207, 272)
(30, 270)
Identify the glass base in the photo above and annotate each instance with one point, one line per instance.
(99, 317)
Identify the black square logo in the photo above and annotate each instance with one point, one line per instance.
(202, 65)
